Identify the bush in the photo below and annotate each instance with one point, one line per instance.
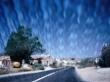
(87, 62)
(22, 44)
(38, 66)
(54, 64)
(105, 56)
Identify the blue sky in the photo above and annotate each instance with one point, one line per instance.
(66, 28)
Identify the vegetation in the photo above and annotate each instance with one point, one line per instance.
(54, 64)
(22, 44)
(105, 56)
(86, 62)
(103, 60)
(38, 66)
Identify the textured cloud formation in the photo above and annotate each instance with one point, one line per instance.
(76, 28)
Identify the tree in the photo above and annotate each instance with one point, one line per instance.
(87, 62)
(22, 44)
(105, 56)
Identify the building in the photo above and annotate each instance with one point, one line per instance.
(69, 61)
(46, 60)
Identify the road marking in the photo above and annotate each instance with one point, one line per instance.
(44, 77)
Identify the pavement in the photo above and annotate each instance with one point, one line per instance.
(92, 74)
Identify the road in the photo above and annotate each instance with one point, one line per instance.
(57, 75)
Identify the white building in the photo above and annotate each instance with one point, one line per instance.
(69, 61)
(46, 59)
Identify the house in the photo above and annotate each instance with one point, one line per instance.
(46, 60)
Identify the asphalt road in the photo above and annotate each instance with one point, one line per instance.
(64, 75)
(57, 75)
(25, 77)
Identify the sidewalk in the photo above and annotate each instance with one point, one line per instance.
(91, 74)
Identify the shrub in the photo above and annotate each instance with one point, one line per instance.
(105, 56)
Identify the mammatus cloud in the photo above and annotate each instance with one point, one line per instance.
(65, 27)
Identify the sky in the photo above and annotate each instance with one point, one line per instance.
(66, 28)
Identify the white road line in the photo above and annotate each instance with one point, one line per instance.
(44, 77)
